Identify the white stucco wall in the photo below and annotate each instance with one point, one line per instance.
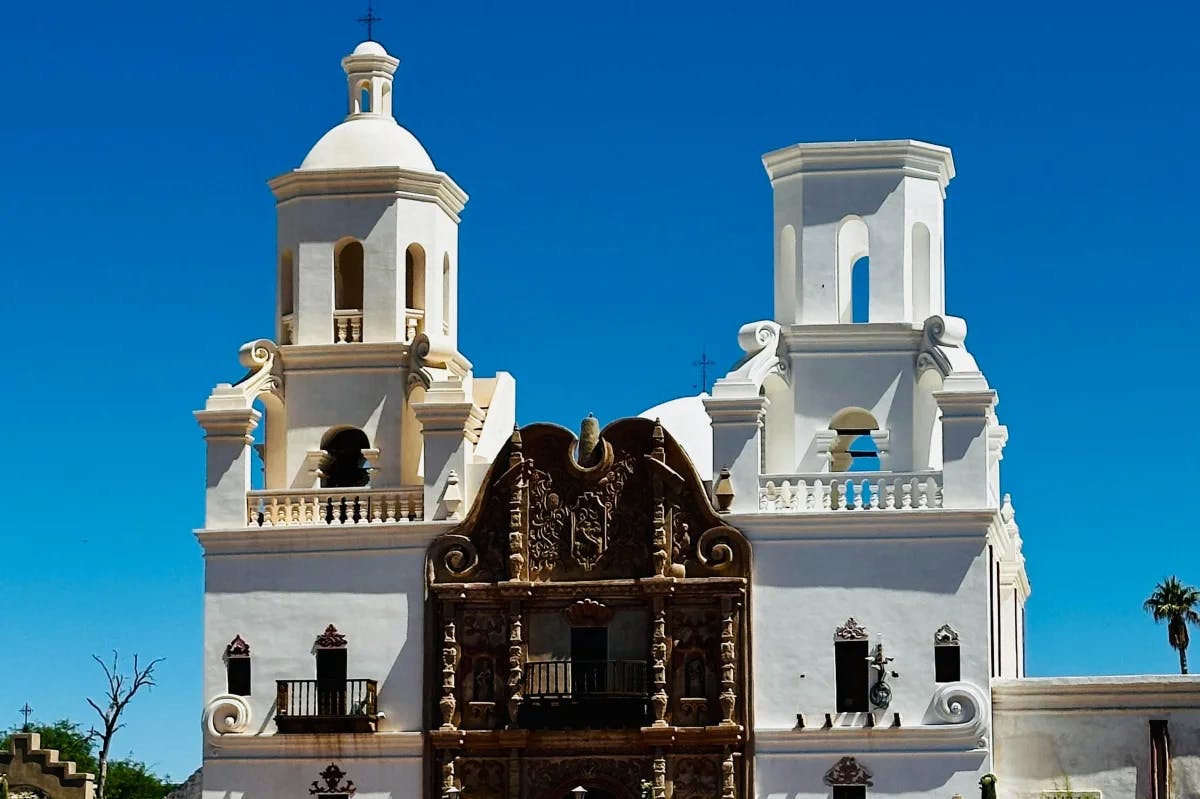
(382, 767)
(1094, 733)
(279, 603)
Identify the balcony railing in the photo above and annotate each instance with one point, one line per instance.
(347, 327)
(313, 706)
(798, 493)
(335, 506)
(604, 693)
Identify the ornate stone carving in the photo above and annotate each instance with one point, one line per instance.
(658, 650)
(848, 771)
(237, 648)
(728, 697)
(695, 777)
(226, 713)
(447, 704)
(330, 639)
(485, 778)
(659, 782)
(332, 779)
(516, 664)
(588, 613)
(728, 786)
(945, 636)
(551, 773)
(639, 511)
(850, 631)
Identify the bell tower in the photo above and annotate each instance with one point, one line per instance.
(845, 206)
(367, 226)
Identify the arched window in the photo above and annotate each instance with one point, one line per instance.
(860, 291)
(853, 249)
(237, 667)
(854, 448)
(414, 277)
(364, 98)
(348, 278)
(344, 465)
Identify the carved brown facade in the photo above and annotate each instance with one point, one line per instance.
(589, 627)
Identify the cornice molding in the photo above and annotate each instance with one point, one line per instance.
(324, 357)
(398, 537)
(1117, 694)
(409, 184)
(930, 524)
(310, 747)
(859, 339)
(901, 156)
(918, 739)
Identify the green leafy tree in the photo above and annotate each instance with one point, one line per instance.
(1176, 604)
(132, 779)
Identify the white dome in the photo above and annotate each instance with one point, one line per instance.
(688, 423)
(369, 48)
(366, 141)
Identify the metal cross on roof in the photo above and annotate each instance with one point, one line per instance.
(369, 20)
(25, 711)
(704, 363)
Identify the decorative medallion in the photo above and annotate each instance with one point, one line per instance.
(945, 636)
(588, 613)
(848, 771)
(332, 777)
(331, 639)
(237, 648)
(850, 631)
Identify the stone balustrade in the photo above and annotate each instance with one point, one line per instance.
(838, 491)
(319, 506)
(347, 327)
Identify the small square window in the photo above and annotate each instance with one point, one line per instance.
(946, 664)
(849, 792)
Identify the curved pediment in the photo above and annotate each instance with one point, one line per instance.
(638, 510)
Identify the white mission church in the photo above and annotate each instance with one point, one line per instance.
(808, 584)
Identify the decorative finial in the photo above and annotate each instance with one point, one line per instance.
(369, 20)
(589, 441)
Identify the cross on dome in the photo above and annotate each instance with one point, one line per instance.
(369, 20)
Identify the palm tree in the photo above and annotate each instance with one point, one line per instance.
(1175, 603)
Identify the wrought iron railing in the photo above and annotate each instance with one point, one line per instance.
(577, 679)
(304, 704)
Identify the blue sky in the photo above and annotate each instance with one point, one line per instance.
(619, 221)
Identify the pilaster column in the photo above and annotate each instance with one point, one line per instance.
(228, 434)
(448, 430)
(966, 416)
(737, 428)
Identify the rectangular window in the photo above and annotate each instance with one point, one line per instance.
(849, 792)
(946, 664)
(331, 682)
(852, 676)
(237, 672)
(589, 653)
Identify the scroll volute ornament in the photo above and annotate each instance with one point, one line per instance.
(588, 613)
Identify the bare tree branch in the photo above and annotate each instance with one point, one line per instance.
(120, 691)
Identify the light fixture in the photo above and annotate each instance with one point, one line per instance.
(579, 792)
